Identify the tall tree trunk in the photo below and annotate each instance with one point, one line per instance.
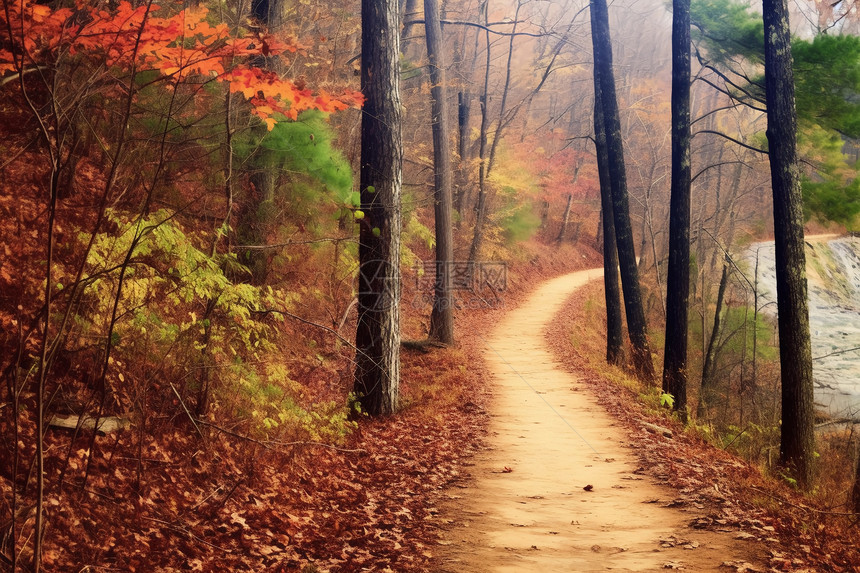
(442, 316)
(611, 289)
(481, 207)
(377, 339)
(463, 109)
(462, 196)
(797, 441)
(711, 350)
(678, 274)
(410, 13)
(636, 325)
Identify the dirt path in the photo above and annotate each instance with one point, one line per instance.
(528, 507)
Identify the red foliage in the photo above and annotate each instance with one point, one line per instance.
(562, 170)
(174, 44)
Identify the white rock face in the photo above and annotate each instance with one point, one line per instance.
(833, 274)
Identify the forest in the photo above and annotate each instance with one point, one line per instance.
(255, 256)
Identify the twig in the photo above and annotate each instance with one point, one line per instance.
(837, 352)
(346, 313)
(803, 507)
(234, 434)
(267, 444)
(320, 444)
(309, 323)
(483, 27)
(184, 407)
(290, 243)
(739, 434)
(186, 532)
(215, 492)
(696, 176)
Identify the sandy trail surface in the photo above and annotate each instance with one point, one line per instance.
(558, 488)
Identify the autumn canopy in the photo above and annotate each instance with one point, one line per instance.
(177, 43)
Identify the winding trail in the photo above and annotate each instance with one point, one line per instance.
(526, 509)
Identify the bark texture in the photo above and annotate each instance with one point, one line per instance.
(442, 316)
(678, 273)
(462, 195)
(636, 324)
(611, 288)
(565, 219)
(377, 360)
(708, 368)
(481, 204)
(797, 441)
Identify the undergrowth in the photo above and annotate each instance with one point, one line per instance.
(743, 416)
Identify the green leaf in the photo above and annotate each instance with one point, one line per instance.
(358, 215)
(376, 232)
(667, 400)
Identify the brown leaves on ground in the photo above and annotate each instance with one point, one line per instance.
(172, 497)
(226, 504)
(733, 495)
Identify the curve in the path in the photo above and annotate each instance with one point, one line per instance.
(528, 507)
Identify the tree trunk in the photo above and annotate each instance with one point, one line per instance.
(481, 207)
(442, 316)
(678, 274)
(855, 490)
(711, 351)
(611, 289)
(797, 439)
(565, 219)
(410, 13)
(463, 109)
(377, 339)
(636, 324)
(497, 136)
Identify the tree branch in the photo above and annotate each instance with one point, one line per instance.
(713, 111)
(235, 248)
(483, 27)
(732, 139)
(744, 163)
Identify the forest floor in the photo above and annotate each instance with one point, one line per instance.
(558, 487)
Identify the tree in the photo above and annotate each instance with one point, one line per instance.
(636, 324)
(678, 277)
(377, 339)
(481, 202)
(442, 316)
(797, 440)
(826, 71)
(709, 362)
(612, 292)
(820, 100)
(497, 136)
(75, 67)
